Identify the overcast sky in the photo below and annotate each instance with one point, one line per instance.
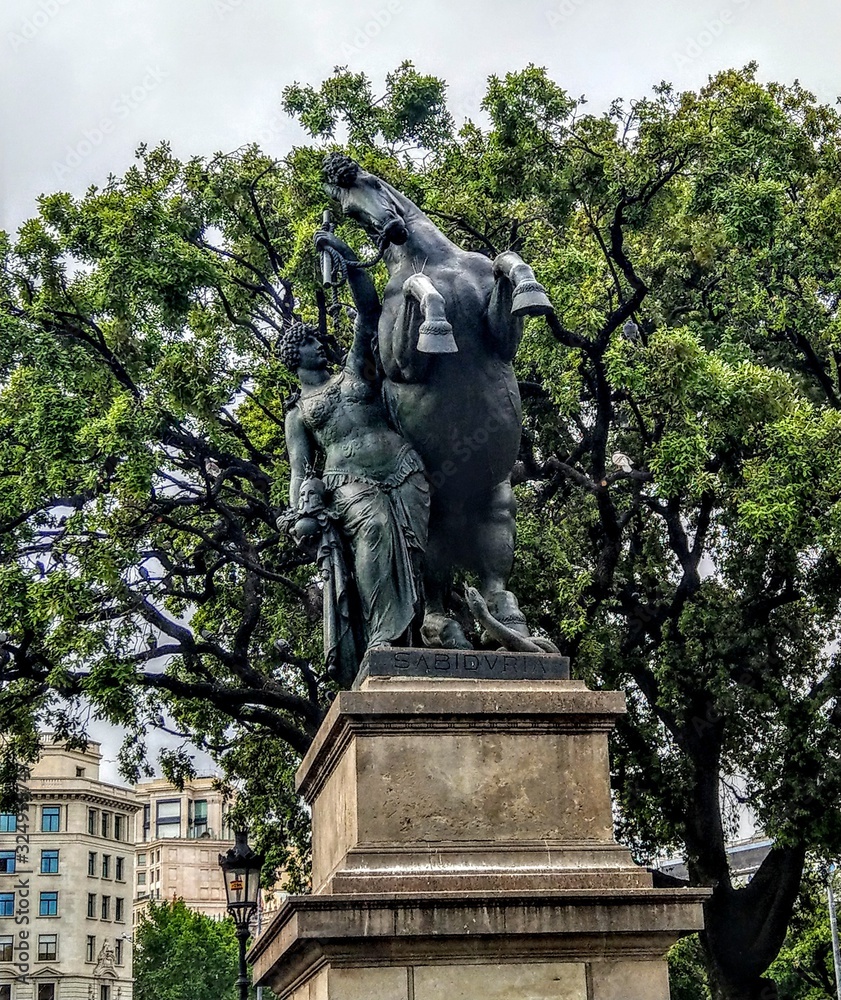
(83, 82)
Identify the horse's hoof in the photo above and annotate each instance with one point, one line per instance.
(530, 299)
(436, 337)
(440, 632)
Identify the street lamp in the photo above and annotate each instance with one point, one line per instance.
(833, 925)
(241, 871)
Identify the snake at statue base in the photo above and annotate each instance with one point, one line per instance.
(510, 640)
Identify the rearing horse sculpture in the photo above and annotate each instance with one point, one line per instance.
(450, 325)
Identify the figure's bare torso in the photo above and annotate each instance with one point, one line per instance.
(346, 419)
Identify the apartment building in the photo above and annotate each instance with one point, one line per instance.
(179, 836)
(66, 879)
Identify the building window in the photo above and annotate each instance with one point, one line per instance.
(119, 869)
(7, 862)
(141, 860)
(93, 816)
(6, 992)
(49, 862)
(104, 992)
(198, 818)
(90, 948)
(80, 772)
(119, 827)
(147, 822)
(106, 824)
(91, 862)
(168, 818)
(119, 904)
(7, 904)
(91, 904)
(47, 947)
(141, 878)
(118, 951)
(106, 908)
(8, 823)
(106, 866)
(48, 906)
(50, 817)
(46, 991)
(6, 947)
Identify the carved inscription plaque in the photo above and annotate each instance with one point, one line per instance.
(459, 663)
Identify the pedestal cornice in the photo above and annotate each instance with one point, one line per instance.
(465, 928)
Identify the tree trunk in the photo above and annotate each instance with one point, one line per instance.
(744, 928)
(763, 989)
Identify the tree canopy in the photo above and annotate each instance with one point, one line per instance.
(679, 481)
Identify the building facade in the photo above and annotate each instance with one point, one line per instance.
(179, 836)
(744, 858)
(66, 884)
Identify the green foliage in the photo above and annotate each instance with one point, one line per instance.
(804, 968)
(679, 485)
(687, 975)
(412, 114)
(180, 954)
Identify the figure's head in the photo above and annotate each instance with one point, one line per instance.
(299, 347)
(365, 198)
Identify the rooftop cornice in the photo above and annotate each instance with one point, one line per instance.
(110, 796)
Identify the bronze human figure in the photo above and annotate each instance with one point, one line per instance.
(450, 325)
(371, 494)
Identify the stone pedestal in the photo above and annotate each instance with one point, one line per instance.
(463, 848)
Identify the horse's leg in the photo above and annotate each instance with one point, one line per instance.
(516, 294)
(529, 297)
(435, 335)
(495, 533)
(439, 630)
(398, 342)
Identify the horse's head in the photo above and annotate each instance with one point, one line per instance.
(365, 198)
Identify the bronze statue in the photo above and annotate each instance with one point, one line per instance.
(450, 324)
(370, 500)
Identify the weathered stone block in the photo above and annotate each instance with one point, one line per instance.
(537, 981)
(368, 984)
(629, 981)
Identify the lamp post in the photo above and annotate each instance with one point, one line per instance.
(241, 871)
(833, 925)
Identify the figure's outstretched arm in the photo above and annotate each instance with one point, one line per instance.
(368, 308)
(301, 454)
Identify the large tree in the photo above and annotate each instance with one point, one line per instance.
(679, 479)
